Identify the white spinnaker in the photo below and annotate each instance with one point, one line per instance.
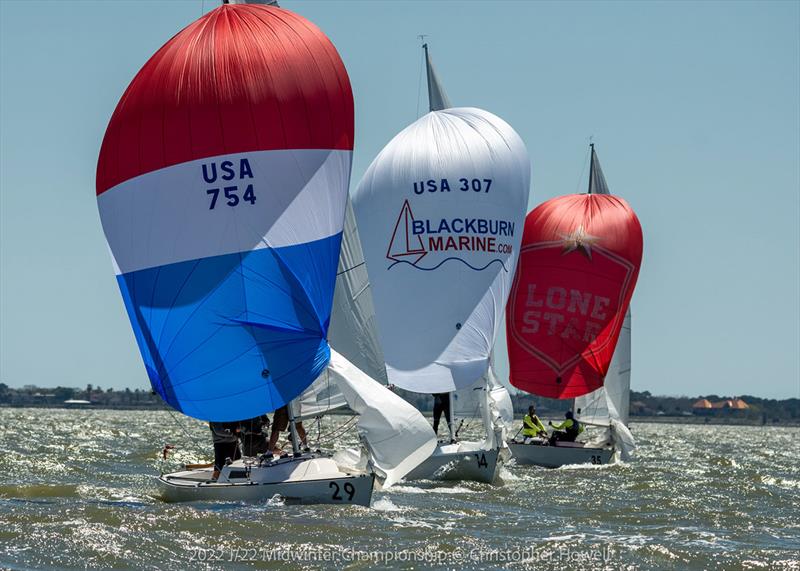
(352, 330)
(439, 307)
(395, 434)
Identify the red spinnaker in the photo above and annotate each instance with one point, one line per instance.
(578, 266)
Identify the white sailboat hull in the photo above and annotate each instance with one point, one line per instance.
(308, 479)
(539, 454)
(458, 462)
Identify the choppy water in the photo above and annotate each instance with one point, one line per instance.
(76, 491)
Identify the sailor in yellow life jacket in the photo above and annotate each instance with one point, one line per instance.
(532, 426)
(567, 431)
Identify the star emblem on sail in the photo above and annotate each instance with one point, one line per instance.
(578, 239)
(405, 246)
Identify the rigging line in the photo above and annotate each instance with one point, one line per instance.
(342, 429)
(580, 178)
(193, 441)
(350, 268)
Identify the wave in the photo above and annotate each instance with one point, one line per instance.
(437, 266)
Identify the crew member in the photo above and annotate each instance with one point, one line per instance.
(567, 431)
(280, 422)
(226, 444)
(441, 404)
(532, 426)
(253, 435)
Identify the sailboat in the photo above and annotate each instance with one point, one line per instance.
(440, 211)
(608, 407)
(570, 312)
(222, 187)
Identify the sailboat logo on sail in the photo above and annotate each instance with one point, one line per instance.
(465, 239)
(405, 246)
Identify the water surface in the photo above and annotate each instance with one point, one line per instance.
(77, 491)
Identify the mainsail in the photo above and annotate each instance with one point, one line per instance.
(437, 98)
(612, 400)
(352, 332)
(488, 400)
(222, 183)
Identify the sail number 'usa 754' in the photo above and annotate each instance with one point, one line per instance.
(227, 171)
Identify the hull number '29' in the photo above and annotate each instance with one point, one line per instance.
(228, 172)
(349, 489)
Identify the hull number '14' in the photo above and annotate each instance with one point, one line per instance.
(227, 171)
(482, 463)
(349, 489)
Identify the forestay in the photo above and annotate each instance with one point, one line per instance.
(221, 183)
(440, 212)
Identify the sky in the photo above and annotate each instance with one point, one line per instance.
(694, 108)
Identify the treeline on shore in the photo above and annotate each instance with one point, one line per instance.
(643, 404)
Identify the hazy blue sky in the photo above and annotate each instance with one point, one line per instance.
(694, 108)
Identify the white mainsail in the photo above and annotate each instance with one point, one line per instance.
(437, 98)
(488, 400)
(609, 405)
(352, 330)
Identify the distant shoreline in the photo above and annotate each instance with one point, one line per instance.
(715, 420)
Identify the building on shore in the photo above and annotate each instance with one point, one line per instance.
(704, 407)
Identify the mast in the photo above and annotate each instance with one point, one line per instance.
(591, 166)
(451, 425)
(293, 430)
(437, 98)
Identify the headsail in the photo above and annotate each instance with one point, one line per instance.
(456, 182)
(397, 436)
(578, 267)
(222, 183)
